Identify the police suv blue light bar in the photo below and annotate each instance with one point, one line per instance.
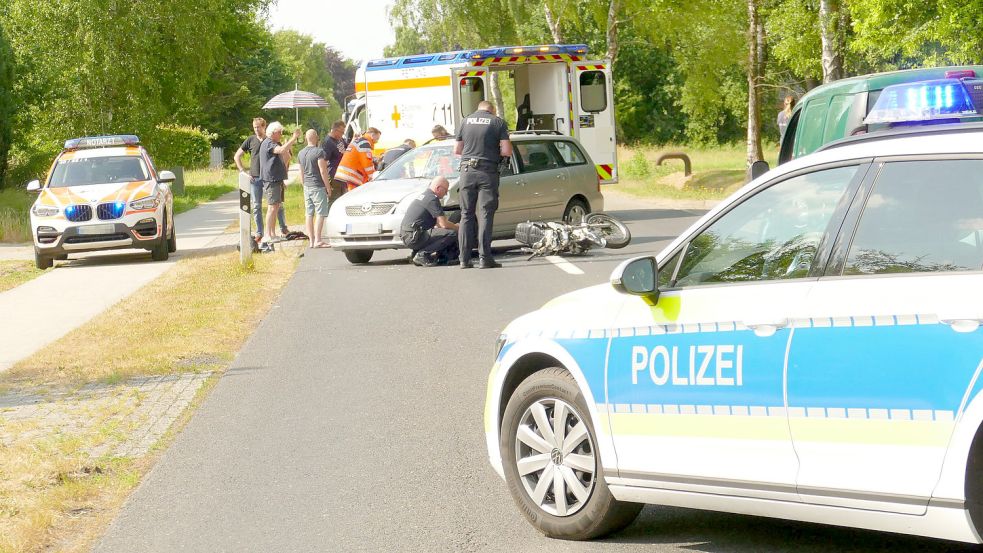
(923, 101)
(102, 141)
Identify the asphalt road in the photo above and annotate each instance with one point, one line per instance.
(352, 421)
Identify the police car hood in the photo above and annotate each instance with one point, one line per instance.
(92, 193)
(589, 309)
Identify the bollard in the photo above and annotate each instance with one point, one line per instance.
(245, 208)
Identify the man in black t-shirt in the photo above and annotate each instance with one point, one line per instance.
(251, 146)
(482, 142)
(431, 246)
(334, 147)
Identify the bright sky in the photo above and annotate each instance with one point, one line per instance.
(341, 24)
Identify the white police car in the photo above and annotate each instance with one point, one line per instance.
(102, 193)
(810, 349)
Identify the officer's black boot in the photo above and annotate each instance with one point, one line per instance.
(488, 263)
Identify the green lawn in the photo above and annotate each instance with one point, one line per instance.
(15, 273)
(717, 171)
(200, 186)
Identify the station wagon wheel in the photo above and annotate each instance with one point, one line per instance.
(575, 212)
(551, 461)
(554, 456)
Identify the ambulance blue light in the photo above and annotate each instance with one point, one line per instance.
(118, 208)
(922, 101)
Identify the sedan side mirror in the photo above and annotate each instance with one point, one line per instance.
(166, 176)
(34, 186)
(637, 277)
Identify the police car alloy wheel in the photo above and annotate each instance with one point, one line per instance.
(551, 461)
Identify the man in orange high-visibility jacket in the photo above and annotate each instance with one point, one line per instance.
(357, 165)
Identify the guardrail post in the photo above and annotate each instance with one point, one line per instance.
(245, 208)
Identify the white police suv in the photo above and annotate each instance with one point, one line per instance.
(102, 193)
(810, 349)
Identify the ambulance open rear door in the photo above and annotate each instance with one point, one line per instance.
(593, 99)
(470, 86)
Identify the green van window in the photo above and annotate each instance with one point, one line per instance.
(812, 124)
(838, 118)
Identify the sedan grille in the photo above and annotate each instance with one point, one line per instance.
(109, 211)
(380, 208)
(78, 213)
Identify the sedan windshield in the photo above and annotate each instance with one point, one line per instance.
(424, 163)
(98, 170)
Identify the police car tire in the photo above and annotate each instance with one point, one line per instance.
(358, 257)
(602, 514)
(160, 251)
(172, 241)
(42, 261)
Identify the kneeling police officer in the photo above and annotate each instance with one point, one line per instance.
(483, 143)
(431, 246)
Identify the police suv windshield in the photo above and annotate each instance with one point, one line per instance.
(424, 163)
(98, 170)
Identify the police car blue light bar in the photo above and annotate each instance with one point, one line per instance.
(102, 141)
(923, 101)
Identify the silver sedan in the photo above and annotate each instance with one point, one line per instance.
(550, 177)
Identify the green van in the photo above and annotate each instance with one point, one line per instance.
(837, 110)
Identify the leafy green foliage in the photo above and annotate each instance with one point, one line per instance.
(305, 61)
(6, 100)
(174, 145)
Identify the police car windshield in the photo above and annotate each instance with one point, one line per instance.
(424, 163)
(98, 170)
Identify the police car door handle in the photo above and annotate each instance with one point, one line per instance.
(765, 329)
(962, 325)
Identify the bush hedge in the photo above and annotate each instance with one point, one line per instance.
(173, 145)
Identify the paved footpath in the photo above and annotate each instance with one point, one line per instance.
(42, 310)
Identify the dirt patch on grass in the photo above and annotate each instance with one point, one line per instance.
(15, 273)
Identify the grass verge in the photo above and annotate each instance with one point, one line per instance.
(717, 172)
(200, 185)
(15, 273)
(53, 494)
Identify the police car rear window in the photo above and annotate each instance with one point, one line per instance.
(921, 216)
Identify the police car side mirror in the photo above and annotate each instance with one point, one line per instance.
(637, 277)
(757, 169)
(166, 176)
(34, 186)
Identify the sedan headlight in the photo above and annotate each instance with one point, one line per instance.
(150, 202)
(44, 210)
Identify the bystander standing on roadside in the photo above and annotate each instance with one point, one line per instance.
(274, 158)
(334, 146)
(357, 165)
(251, 146)
(785, 116)
(314, 169)
(392, 154)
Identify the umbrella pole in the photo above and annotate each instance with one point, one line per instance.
(297, 116)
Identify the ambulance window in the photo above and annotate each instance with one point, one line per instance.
(772, 235)
(472, 92)
(593, 91)
(903, 229)
(570, 153)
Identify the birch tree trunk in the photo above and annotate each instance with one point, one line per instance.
(613, 8)
(831, 32)
(496, 93)
(554, 24)
(754, 70)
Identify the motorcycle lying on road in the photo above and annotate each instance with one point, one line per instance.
(553, 238)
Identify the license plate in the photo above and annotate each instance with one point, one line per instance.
(97, 229)
(363, 228)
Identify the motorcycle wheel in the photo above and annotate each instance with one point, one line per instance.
(615, 233)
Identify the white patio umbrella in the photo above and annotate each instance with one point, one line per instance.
(296, 99)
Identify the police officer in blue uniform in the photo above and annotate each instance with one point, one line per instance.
(483, 143)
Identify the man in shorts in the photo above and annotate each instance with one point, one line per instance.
(274, 158)
(314, 168)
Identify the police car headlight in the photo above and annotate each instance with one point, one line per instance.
(499, 344)
(150, 202)
(44, 210)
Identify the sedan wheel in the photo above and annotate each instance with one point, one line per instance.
(554, 456)
(575, 213)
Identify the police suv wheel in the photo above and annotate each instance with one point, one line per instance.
(551, 462)
(160, 251)
(42, 261)
(172, 241)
